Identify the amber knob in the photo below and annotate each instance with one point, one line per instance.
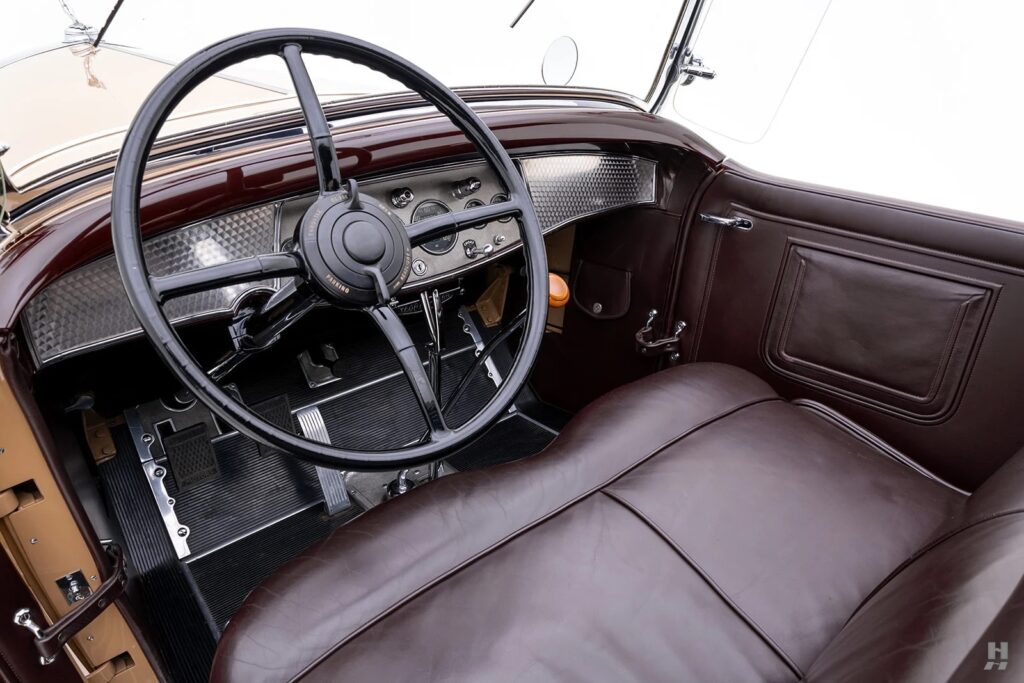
(558, 291)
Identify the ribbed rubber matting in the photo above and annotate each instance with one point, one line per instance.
(191, 456)
(387, 415)
(513, 438)
(182, 632)
(251, 491)
(227, 576)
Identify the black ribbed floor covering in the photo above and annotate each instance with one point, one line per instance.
(225, 577)
(183, 632)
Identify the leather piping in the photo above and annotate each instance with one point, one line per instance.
(749, 621)
(855, 430)
(518, 532)
(924, 551)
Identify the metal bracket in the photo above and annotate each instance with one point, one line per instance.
(176, 532)
(647, 345)
(478, 341)
(74, 587)
(317, 375)
(693, 67)
(50, 641)
(744, 224)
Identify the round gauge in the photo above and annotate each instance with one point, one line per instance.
(473, 204)
(429, 209)
(498, 199)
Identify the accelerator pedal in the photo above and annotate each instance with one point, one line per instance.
(332, 482)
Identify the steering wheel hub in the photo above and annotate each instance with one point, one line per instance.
(344, 239)
(349, 249)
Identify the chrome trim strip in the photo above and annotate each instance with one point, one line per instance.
(176, 532)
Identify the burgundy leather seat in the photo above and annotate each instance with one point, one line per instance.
(690, 526)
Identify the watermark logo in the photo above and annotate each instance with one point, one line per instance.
(998, 656)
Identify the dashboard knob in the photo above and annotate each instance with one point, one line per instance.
(463, 188)
(402, 197)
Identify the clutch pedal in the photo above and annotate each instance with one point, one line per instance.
(191, 457)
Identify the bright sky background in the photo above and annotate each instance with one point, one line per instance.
(913, 99)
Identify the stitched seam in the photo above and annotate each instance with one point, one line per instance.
(718, 590)
(924, 551)
(409, 597)
(873, 441)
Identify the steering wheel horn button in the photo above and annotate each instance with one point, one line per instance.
(364, 241)
(351, 252)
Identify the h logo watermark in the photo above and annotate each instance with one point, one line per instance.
(998, 656)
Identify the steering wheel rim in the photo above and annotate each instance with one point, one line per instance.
(147, 293)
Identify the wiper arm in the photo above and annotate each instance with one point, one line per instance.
(106, 24)
(526, 8)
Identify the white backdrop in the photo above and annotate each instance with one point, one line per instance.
(914, 99)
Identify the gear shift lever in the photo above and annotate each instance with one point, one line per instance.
(431, 303)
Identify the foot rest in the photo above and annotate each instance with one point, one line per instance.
(191, 457)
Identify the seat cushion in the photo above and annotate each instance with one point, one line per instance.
(691, 525)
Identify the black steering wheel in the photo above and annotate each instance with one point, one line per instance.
(350, 250)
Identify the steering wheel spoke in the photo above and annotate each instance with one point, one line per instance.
(327, 169)
(404, 347)
(252, 269)
(431, 228)
(351, 226)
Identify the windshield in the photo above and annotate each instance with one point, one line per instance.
(46, 57)
(620, 45)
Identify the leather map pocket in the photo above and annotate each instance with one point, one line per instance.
(882, 333)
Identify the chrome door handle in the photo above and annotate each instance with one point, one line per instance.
(730, 222)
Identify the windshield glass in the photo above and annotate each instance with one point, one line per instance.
(620, 44)
(46, 59)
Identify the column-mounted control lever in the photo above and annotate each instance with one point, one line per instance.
(647, 345)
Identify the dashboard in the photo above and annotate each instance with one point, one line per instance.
(87, 308)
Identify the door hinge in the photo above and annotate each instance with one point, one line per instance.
(647, 345)
(693, 67)
(50, 641)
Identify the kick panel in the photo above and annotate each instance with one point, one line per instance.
(895, 337)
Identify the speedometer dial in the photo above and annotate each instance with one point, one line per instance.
(429, 209)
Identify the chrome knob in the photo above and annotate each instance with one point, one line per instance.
(402, 197)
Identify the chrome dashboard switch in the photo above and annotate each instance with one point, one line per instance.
(463, 188)
(402, 197)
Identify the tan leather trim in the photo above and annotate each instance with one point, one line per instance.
(44, 543)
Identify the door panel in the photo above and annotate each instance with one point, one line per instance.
(906, 320)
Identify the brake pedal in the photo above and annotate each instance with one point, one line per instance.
(191, 456)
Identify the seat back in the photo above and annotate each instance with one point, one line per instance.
(953, 611)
